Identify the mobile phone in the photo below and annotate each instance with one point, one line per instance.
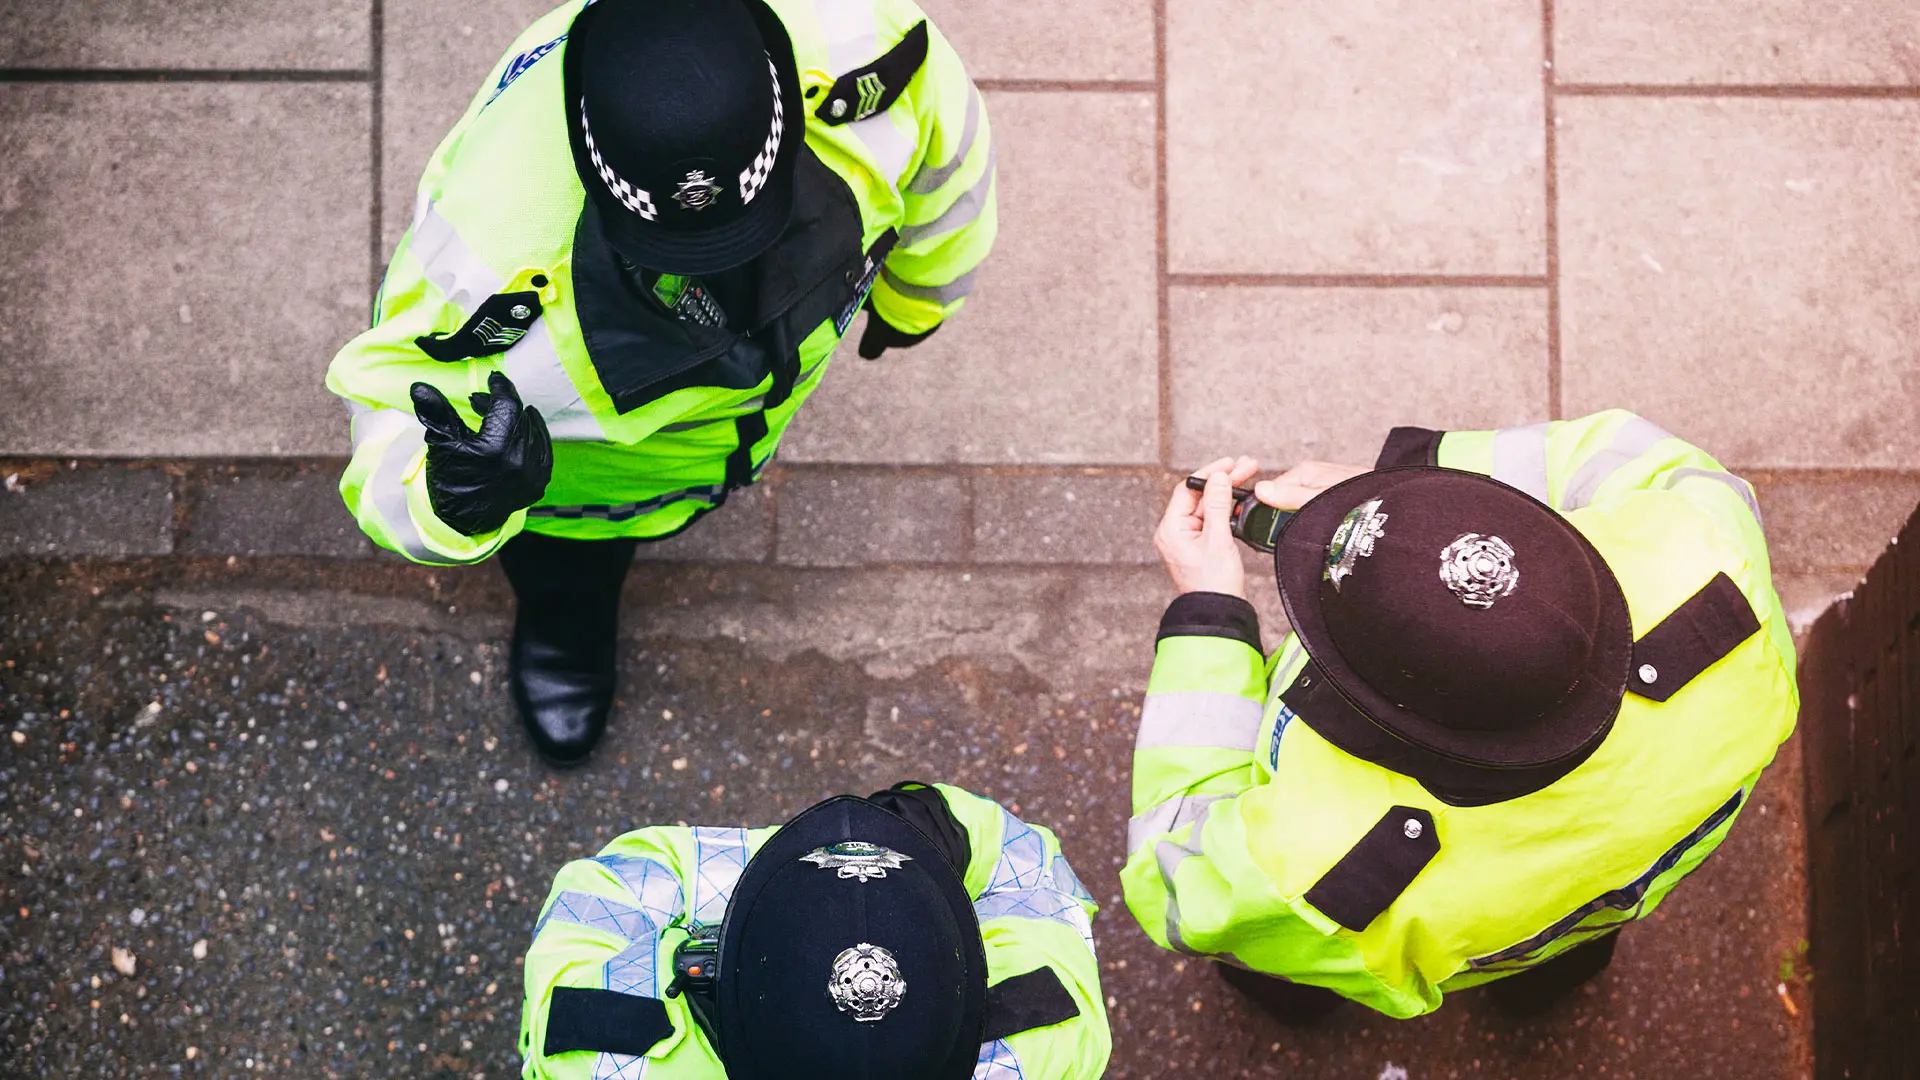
(1255, 524)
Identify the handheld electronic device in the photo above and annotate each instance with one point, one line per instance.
(1255, 524)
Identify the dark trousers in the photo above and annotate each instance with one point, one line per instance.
(550, 569)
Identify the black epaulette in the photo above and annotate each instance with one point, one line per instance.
(873, 89)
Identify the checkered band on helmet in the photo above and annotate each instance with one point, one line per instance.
(754, 176)
(633, 198)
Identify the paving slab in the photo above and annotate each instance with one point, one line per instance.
(437, 53)
(1745, 42)
(1743, 272)
(183, 261)
(307, 35)
(286, 510)
(740, 531)
(1054, 358)
(1341, 137)
(1082, 40)
(1836, 521)
(114, 512)
(1086, 517)
(1293, 374)
(838, 517)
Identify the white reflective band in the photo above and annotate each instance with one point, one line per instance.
(1022, 856)
(1740, 487)
(543, 383)
(1199, 718)
(962, 213)
(957, 289)
(654, 888)
(1047, 904)
(1520, 458)
(369, 424)
(852, 42)
(997, 1062)
(533, 365)
(598, 913)
(388, 489)
(722, 858)
(932, 178)
(619, 1067)
(445, 261)
(1635, 437)
(1166, 817)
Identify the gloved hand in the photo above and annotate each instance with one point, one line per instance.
(880, 335)
(477, 480)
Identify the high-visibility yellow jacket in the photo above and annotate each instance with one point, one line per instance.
(1239, 810)
(614, 921)
(643, 416)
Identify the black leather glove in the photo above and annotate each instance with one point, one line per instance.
(880, 335)
(926, 809)
(476, 480)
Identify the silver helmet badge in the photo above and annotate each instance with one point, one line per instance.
(1354, 540)
(697, 191)
(1479, 569)
(856, 859)
(866, 982)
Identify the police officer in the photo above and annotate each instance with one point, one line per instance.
(628, 264)
(1533, 677)
(920, 932)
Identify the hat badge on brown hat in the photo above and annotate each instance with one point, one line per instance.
(1479, 569)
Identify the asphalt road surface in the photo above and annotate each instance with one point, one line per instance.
(276, 818)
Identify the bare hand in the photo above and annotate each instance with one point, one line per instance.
(1195, 537)
(1292, 489)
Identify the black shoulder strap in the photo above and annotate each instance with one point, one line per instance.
(1692, 639)
(500, 321)
(1036, 999)
(862, 92)
(581, 1018)
(1370, 877)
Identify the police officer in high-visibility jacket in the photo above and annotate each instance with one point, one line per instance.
(627, 266)
(1533, 677)
(920, 932)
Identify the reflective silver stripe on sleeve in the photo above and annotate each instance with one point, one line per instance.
(962, 213)
(997, 1062)
(598, 913)
(1199, 718)
(957, 289)
(722, 858)
(1740, 487)
(388, 490)
(368, 424)
(1520, 458)
(1168, 855)
(1635, 437)
(1166, 817)
(619, 1067)
(531, 362)
(446, 262)
(544, 384)
(931, 177)
(635, 969)
(853, 41)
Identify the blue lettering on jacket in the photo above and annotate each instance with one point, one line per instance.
(519, 65)
(1280, 723)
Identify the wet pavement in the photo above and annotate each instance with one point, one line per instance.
(275, 818)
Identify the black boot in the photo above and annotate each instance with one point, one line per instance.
(1291, 1003)
(1540, 988)
(565, 637)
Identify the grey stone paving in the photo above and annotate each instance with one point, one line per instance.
(271, 511)
(310, 35)
(110, 512)
(182, 261)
